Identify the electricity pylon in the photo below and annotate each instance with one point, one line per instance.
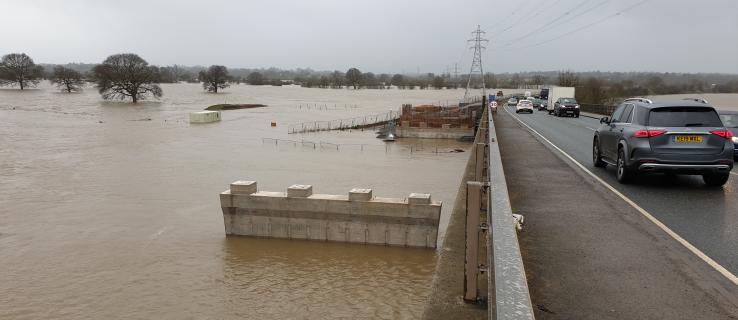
(476, 66)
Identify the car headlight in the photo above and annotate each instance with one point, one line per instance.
(735, 139)
(576, 106)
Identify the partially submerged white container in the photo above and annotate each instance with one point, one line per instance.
(204, 116)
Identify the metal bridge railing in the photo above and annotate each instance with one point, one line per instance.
(508, 296)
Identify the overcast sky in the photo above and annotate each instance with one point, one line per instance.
(381, 35)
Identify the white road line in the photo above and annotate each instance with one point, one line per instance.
(733, 173)
(645, 213)
(593, 129)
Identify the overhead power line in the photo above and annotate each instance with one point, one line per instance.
(560, 22)
(522, 16)
(638, 4)
(579, 5)
(515, 10)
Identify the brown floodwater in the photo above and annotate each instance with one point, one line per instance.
(111, 210)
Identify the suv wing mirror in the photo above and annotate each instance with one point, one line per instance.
(605, 120)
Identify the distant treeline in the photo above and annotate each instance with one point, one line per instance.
(304, 77)
(114, 79)
(609, 87)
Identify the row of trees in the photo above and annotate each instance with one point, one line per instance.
(356, 79)
(120, 76)
(128, 76)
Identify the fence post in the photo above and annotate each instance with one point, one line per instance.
(471, 261)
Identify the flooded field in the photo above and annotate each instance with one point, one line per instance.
(111, 210)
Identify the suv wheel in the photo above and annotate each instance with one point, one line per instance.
(715, 179)
(623, 173)
(596, 155)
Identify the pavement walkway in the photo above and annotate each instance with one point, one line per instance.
(589, 255)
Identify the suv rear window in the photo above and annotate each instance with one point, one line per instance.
(684, 117)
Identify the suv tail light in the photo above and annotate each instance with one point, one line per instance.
(722, 133)
(648, 133)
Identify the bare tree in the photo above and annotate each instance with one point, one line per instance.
(567, 78)
(126, 75)
(353, 77)
(19, 69)
(439, 82)
(216, 77)
(67, 79)
(255, 78)
(337, 79)
(538, 80)
(398, 80)
(490, 80)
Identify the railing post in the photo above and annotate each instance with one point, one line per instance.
(481, 151)
(471, 263)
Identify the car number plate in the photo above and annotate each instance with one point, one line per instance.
(569, 111)
(688, 139)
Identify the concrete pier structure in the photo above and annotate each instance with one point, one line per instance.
(357, 217)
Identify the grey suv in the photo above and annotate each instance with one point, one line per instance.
(673, 137)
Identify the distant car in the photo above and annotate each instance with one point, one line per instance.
(730, 121)
(538, 104)
(566, 107)
(524, 106)
(499, 93)
(512, 102)
(672, 137)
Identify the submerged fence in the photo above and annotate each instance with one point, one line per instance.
(387, 148)
(342, 124)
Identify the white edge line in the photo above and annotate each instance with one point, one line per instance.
(645, 213)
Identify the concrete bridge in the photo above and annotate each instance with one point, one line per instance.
(589, 248)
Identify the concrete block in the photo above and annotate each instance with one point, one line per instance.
(419, 198)
(306, 205)
(358, 194)
(377, 233)
(396, 234)
(300, 190)
(279, 228)
(243, 187)
(418, 236)
(378, 208)
(338, 207)
(226, 199)
(357, 217)
(204, 116)
(357, 232)
(446, 126)
(431, 211)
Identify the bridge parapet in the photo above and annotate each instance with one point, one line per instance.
(357, 217)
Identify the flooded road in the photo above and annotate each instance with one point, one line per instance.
(111, 210)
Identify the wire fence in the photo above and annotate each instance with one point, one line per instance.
(343, 124)
(325, 106)
(358, 147)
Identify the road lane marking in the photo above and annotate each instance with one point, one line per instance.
(645, 213)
